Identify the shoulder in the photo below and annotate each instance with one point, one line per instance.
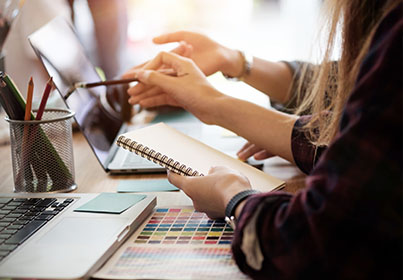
(386, 43)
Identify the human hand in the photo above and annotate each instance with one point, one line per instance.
(208, 55)
(211, 193)
(142, 90)
(189, 89)
(250, 149)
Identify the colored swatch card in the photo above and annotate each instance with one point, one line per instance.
(184, 226)
(158, 185)
(114, 203)
(175, 243)
(173, 263)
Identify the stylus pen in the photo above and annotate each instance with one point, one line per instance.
(169, 72)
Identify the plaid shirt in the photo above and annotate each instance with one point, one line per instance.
(347, 222)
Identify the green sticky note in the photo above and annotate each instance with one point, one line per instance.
(178, 115)
(155, 185)
(114, 203)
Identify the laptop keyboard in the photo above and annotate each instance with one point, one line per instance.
(22, 217)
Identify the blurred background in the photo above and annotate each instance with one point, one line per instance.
(117, 34)
(270, 29)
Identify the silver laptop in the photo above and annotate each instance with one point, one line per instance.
(64, 58)
(42, 237)
(58, 47)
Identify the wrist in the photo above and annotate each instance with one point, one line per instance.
(233, 63)
(238, 209)
(244, 62)
(236, 203)
(208, 109)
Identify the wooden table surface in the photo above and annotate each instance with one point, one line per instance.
(91, 177)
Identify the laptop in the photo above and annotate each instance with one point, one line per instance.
(41, 237)
(58, 47)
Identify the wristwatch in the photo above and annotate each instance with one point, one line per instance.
(234, 202)
(247, 61)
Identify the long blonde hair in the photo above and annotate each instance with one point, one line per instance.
(328, 87)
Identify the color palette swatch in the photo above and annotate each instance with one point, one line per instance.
(181, 226)
(176, 243)
(160, 262)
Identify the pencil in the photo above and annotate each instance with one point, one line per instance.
(169, 72)
(44, 99)
(26, 140)
(28, 105)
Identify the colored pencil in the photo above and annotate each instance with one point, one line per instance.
(26, 145)
(28, 105)
(44, 99)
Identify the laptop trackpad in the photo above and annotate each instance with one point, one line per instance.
(83, 231)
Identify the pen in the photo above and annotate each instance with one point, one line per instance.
(169, 72)
(105, 83)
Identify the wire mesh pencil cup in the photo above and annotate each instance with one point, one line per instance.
(42, 153)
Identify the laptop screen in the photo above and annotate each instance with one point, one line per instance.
(59, 49)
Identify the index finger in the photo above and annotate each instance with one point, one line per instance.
(169, 60)
(130, 73)
(169, 37)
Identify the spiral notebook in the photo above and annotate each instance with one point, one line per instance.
(185, 155)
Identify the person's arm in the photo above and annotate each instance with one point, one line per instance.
(269, 129)
(272, 78)
(349, 215)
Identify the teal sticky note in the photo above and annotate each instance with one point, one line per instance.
(154, 185)
(175, 116)
(114, 203)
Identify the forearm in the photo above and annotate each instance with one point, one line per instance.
(268, 129)
(272, 78)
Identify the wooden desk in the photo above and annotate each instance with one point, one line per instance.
(91, 177)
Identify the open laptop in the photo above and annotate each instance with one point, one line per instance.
(63, 56)
(41, 237)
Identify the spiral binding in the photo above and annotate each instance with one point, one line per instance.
(156, 157)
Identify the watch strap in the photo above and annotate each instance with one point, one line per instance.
(247, 61)
(236, 199)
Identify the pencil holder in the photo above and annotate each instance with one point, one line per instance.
(42, 153)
